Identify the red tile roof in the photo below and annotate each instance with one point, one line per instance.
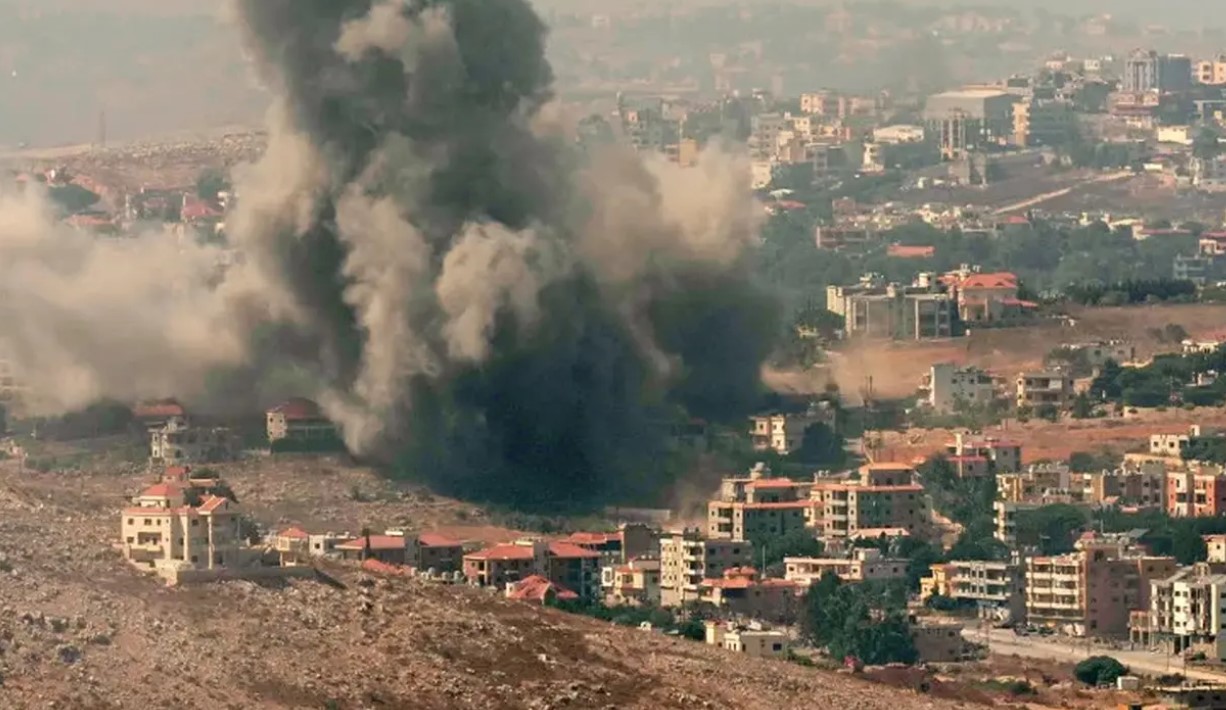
(566, 550)
(785, 505)
(903, 251)
(176, 473)
(162, 490)
(506, 551)
(436, 540)
(377, 542)
(298, 408)
(538, 589)
(212, 503)
(774, 483)
(592, 538)
(294, 534)
(1002, 279)
(195, 209)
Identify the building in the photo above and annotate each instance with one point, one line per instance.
(1211, 72)
(970, 119)
(1044, 387)
(1195, 494)
(1209, 174)
(538, 590)
(1187, 608)
(1093, 590)
(781, 433)
(753, 640)
(1005, 514)
(877, 310)
(629, 542)
(939, 642)
(1215, 545)
(739, 592)
(1001, 455)
(177, 443)
(748, 507)
(183, 530)
(995, 585)
(439, 553)
(1043, 122)
(1097, 353)
(987, 297)
(1173, 445)
(950, 388)
(686, 559)
(156, 413)
(394, 547)
(300, 422)
(635, 583)
(865, 563)
(563, 564)
(1148, 71)
(884, 496)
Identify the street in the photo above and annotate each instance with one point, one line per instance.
(1005, 642)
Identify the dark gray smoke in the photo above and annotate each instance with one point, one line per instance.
(488, 314)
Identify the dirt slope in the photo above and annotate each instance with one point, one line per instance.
(79, 629)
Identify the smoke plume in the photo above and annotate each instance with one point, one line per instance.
(483, 309)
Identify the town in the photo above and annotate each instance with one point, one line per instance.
(870, 354)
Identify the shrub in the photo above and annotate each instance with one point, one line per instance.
(1099, 670)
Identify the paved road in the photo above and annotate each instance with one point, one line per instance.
(1005, 642)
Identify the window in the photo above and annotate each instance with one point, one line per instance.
(131, 521)
(195, 522)
(194, 559)
(776, 647)
(130, 540)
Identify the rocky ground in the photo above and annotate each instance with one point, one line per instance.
(80, 629)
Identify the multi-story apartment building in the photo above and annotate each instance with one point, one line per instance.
(563, 564)
(1093, 590)
(970, 119)
(1211, 72)
(1215, 547)
(1035, 389)
(1000, 455)
(636, 582)
(997, 585)
(687, 558)
(1195, 493)
(1186, 608)
(1005, 514)
(884, 496)
(740, 592)
(864, 564)
(876, 309)
(950, 387)
(757, 504)
(1146, 71)
(778, 432)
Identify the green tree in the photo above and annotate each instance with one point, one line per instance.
(1099, 670)
(210, 183)
(1082, 407)
(1047, 411)
(1050, 528)
(822, 446)
(1207, 144)
(73, 198)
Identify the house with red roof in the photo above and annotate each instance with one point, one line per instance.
(155, 413)
(539, 590)
(629, 541)
(987, 297)
(562, 563)
(439, 553)
(183, 531)
(394, 547)
(740, 592)
(300, 424)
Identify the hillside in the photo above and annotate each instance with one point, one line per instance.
(79, 629)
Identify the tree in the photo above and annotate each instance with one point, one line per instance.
(1047, 411)
(210, 182)
(1082, 407)
(1187, 546)
(1050, 527)
(798, 543)
(73, 198)
(865, 620)
(821, 446)
(1207, 144)
(1099, 670)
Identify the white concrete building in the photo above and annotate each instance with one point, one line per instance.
(755, 642)
(948, 386)
(781, 433)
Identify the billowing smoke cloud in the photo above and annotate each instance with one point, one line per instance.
(83, 319)
(483, 310)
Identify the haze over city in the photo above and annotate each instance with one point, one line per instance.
(501, 354)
